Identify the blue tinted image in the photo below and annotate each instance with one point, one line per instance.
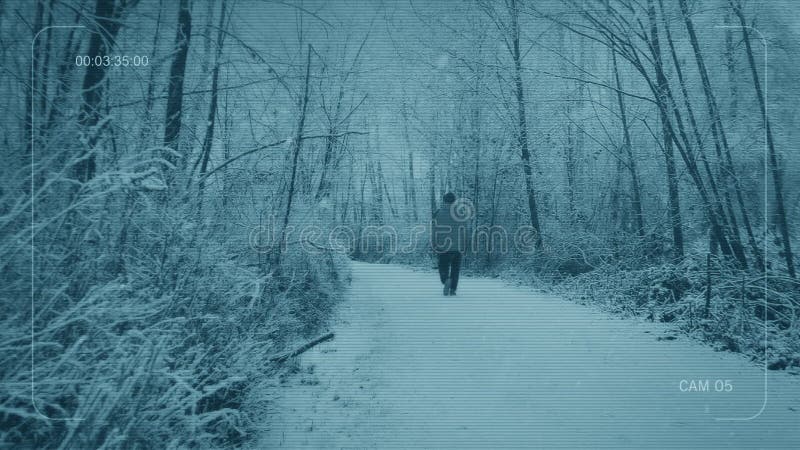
(399, 224)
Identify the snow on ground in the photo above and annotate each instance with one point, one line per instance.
(506, 367)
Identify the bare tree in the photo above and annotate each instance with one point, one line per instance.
(107, 14)
(636, 195)
(297, 146)
(729, 177)
(669, 154)
(780, 207)
(522, 124)
(172, 122)
(212, 109)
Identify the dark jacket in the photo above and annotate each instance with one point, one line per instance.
(447, 232)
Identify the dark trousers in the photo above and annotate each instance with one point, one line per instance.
(449, 265)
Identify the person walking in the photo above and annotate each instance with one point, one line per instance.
(448, 238)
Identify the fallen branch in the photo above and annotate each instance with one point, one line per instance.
(302, 348)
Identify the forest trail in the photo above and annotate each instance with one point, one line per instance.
(500, 367)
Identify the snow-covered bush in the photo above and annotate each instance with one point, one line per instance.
(144, 324)
(705, 297)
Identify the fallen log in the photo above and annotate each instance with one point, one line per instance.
(281, 358)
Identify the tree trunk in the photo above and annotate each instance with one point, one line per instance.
(730, 65)
(63, 71)
(31, 92)
(631, 159)
(172, 123)
(377, 194)
(412, 190)
(569, 169)
(672, 189)
(212, 109)
(522, 132)
(323, 190)
(476, 191)
(346, 198)
(44, 68)
(100, 43)
(147, 122)
(297, 145)
(432, 179)
(386, 192)
(669, 154)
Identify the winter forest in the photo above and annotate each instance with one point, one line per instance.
(215, 224)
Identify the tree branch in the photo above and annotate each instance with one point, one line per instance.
(275, 144)
(581, 80)
(302, 348)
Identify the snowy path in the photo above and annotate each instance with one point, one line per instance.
(506, 367)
